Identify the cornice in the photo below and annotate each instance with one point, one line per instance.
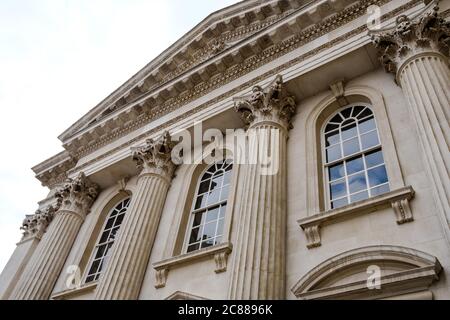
(53, 171)
(143, 110)
(228, 23)
(132, 126)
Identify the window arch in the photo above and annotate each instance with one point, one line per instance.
(352, 156)
(106, 240)
(207, 216)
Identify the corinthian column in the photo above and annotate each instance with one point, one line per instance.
(125, 271)
(44, 267)
(416, 50)
(258, 270)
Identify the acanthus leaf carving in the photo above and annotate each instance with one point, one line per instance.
(270, 104)
(155, 156)
(36, 224)
(77, 194)
(427, 32)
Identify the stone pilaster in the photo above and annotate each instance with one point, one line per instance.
(126, 268)
(44, 267)
(416, 50)
(258, 270)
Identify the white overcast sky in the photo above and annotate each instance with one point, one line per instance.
(58, 59)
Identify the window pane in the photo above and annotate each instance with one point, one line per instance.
(357, 182)
(220, 227)
(204, 187)
(359, 196)
(367, 112)
(104, 237)
(337, 189)
(90, 279)
(357, 110)
(208, 243)
(100, 251)
(193, 247)
(119, 219)
(206, 176)
(216, 182)
(379, 190)
(332, 138)
(201, 201)
(113, 233)
(227, 178)
(195, 235)
(337, 119)
(336, 172)
(214, 197)
(377, 176)
(351, 146)
(339, 203)
(331, 127)
(109, 224)
(224, 194)
(94, 266)
(346, 113)
(223, 208)
(197, 219)
(212, 214)
(209, 231)
(355, 165)
(218, 240)
(349, 131)
(369, 139)
(334, 153)
(374, 158)
(367, 125)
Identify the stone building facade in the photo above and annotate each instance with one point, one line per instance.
(350, 102)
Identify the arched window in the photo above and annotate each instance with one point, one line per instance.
(102, 249)
(208, 213)
(353, 157)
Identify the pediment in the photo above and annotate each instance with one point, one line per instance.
(180, 295)
(226, 45)
(345, 276)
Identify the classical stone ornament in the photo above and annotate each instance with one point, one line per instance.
(41, 273)
(397, 199)
(155, 156)
(77, 194)
(345, 276)
(219, 252)
(411, 36)
(270, 104)
(36, 224)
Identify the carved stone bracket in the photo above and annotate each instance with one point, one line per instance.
(272, 103)
(219, 252)
(155, 156)
(426, 32)
(77, 194)
(402, 211)
(398, 199)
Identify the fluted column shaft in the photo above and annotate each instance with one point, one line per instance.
(258, 270)
(417, 51)
(45, 265)
(425, 80)
(42, 271)
(259, 267)
(126, 268)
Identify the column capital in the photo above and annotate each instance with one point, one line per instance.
(271, 104)
(427, 32)
(35, 225)
(154, 157)
(77, 195)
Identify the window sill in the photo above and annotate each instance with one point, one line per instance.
(398, 199)
(219, 252)
(87, 287)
